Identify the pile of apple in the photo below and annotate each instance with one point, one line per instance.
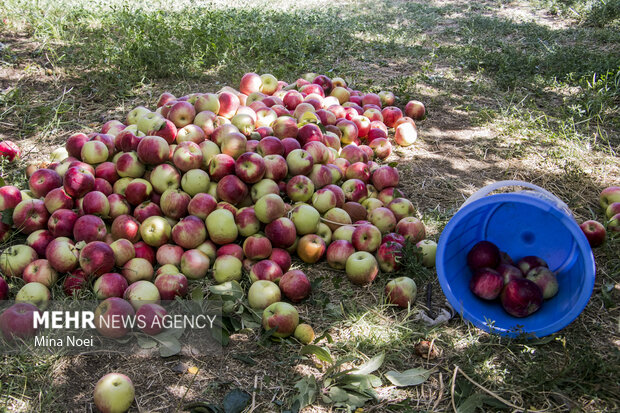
(594, 231)
(218, 183)
(521, 287)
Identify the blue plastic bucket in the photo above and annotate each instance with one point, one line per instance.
(530, 222)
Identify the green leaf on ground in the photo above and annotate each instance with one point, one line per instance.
(7, 217)
(220, 335)
(146, 342)
(169, 344)
(371, 365)
(411, 377)
(307, 390)
(320, 352)
(197, 294)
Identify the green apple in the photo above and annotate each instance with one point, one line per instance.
(263, 293)
(155, 231)
(195, 181)
(135, 114)
(361, 268)
(324, 232)
(114, 393)
(15, 259)
(227, 268)
(34, 293)
(141, 292)
(304, 333)
(221, 226)
(269, 207)
(264, 187)
(167, 269)
(209, 150)
(344, 232)
(59, 154)
(306, 219)
(429, 250)
(150, 121)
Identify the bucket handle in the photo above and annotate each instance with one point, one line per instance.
(502, 184)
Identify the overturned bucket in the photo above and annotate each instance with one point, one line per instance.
(522, 223)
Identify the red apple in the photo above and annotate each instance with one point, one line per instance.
(390, 115)
(594, 231)
(545, 279)
(61, 222)
(250, 167)
(338, 252)
(276, 167)
(411, 228)
(194, 264)
(96, 258)
(231, 189)
(89, 228)
(30, 215)
(74, 144)
(96, 203)
(153, 150)
(521, 297)
(110, 285)
(389, 255)
(127, 227)
(171, 286)
(174, 203)
(355, 190)
(384, 177)
(182, 113)
(189, 232)
(256, 247)
(353, 153)
(111, 317)
(40, 271)
(295, 285)
(17, 321)
(229, 104)
(75, 282)
(78, 182)
(280, 316)
(123, 251)
(486, 283)
(366, 238)
(415, 110)
(42, 181)
(406, 134)
(145, 251)
(265, 270)
(10, 196)
(281, 232)
(56, 199)
(201, 205)
(62, 255)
